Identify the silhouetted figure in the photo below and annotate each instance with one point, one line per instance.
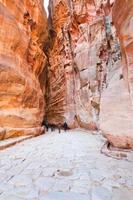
(52, 127)
(121, 76)
(59, 128)
(46, 124)
(65, 126)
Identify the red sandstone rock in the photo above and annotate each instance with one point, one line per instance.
(79, 33)
(78, 90)
(22, 35)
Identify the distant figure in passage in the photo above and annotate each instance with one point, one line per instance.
(52, 127)
(46, 124)
(121, 76)
(65, 126)
(59, 127)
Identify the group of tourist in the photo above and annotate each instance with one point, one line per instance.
(60, 126)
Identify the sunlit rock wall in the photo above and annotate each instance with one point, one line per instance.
(78, 43)
(23, 32)
(116, 116)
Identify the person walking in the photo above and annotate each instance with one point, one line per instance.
(59, 128)
(46, 125)
(65, 126)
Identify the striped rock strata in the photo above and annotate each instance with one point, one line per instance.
(23, 32)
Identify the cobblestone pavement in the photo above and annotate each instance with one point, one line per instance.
(66, 166)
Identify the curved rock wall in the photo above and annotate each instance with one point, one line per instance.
(23, 32)
(116, 116)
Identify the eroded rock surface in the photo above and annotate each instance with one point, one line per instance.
(80, 57)
(72, 69)
(116, 116)
(22, 36)
(86, 78)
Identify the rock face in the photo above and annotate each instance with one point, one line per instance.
(87, 85)
(22, 34)
(83, 46)
(79, 43)
(86, 80)
(116, 116)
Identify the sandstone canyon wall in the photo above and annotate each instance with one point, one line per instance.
(72, 69)
(87, 85)
(116, 116)
(81, 44)
(23, 31)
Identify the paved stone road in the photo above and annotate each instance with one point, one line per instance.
(68, 166)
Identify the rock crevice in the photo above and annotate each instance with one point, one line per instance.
(80, 46)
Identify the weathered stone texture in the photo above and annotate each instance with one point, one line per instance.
(116, 116)
(86, 81)
(22, 35)
(79, 35)
(79, 90)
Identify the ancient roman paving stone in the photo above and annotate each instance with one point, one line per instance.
(64, 166)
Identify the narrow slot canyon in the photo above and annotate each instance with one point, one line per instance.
(66, 99)
(88, 82)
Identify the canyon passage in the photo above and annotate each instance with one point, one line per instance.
(72, 65)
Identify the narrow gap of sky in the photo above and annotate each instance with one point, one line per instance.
(46, 2)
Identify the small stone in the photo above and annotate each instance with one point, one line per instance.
(65, 173)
